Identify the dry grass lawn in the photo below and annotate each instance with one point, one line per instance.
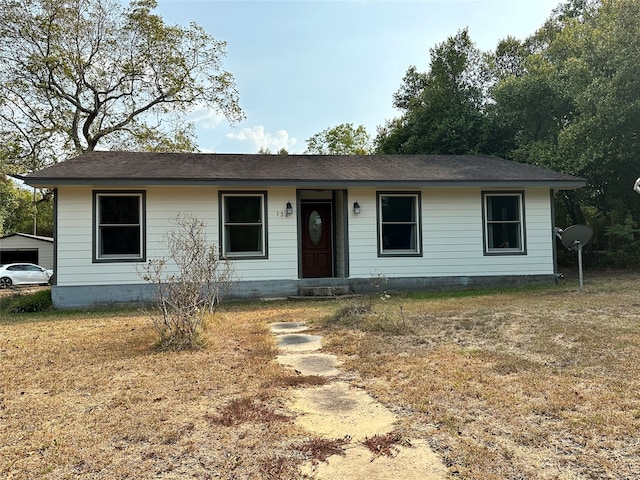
(537, 384)
(532, 384)
(88, 396)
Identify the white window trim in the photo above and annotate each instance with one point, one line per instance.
(521, 250)
(262, 223)
(97, 256)
(417, 252)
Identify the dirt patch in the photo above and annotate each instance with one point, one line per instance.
(8, 292)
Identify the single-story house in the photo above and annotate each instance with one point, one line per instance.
(23, 247)
(293, 222)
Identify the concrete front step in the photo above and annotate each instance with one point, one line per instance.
(331, 291)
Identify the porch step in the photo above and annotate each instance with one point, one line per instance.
(332, 291)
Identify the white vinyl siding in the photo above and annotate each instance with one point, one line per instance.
(75, 266)
(450, 221)
(452, 237)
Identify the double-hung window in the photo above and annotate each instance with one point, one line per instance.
(119, 230)
(399, 224)
(503, 214)
(243, 224)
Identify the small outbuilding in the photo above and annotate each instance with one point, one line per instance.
(292, 224)
(22, 247)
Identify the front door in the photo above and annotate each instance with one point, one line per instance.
(317, 244)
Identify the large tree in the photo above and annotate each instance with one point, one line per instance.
(343, 139)
(442, 109)
(573, 103)
(80, 74)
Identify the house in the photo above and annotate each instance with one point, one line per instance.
(22, 247)
(293, 222)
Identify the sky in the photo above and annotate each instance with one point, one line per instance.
(307, 65)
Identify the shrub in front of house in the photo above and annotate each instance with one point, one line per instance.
(189, 283)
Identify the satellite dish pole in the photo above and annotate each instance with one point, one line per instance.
(574, 238)
(578, 245)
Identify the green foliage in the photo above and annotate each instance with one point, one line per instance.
(443, 108)
(624, 247)
(85, 73)
(8, 204)
(267, 151)
(342, 139)
(39, 301)
(17, 210)
(566, 98)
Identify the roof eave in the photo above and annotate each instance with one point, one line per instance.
(327, 183)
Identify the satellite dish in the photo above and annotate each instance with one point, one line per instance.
(576, 235)
(636, 186)
(574, 238)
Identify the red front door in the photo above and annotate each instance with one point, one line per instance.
(317, 234)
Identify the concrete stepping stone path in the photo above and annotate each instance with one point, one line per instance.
(338, 409)
(320, 364)
(299, 342)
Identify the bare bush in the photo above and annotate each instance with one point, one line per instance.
(189, 283)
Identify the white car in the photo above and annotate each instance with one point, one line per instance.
(23, 274)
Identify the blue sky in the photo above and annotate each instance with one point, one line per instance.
(303, 66)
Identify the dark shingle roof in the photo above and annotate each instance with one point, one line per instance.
(144, 168)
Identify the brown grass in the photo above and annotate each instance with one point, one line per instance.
(386, 444)
(319, 449)
(246, 410)
(536, 384)
(89, 396)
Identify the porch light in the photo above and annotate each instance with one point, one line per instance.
(289, 209)
(356, 208)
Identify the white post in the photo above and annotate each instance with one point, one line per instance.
(580, 262)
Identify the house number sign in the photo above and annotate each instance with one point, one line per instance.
(315, 227)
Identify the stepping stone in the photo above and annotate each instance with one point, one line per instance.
(322, 364)
(288, 327)
(299, 342)
(411, 463)
(338, 409)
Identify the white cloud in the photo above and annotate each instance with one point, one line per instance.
(206, 118)
(264, 140)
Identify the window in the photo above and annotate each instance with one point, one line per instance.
(399, 224)
(119, 226)
(503, 215)
(243, 225)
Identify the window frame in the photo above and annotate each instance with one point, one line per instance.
(496, 251)
(142, 225)
(417, 203)
(222, 216)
